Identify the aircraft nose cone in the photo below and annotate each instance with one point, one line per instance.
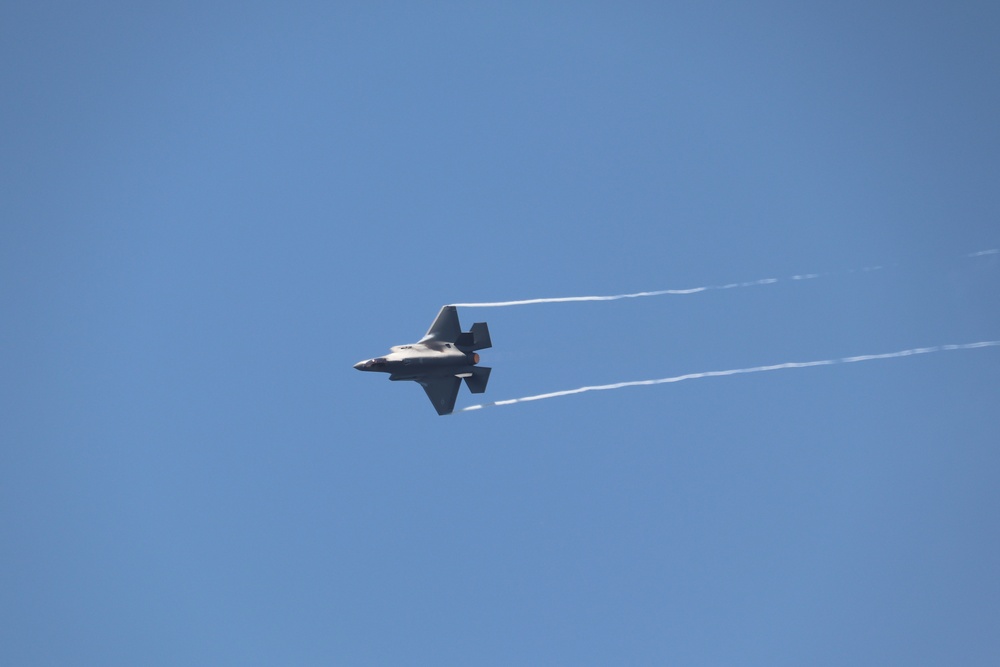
(359, 366)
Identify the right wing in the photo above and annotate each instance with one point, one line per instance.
(442, 391)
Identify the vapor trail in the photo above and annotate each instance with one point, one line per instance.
(740, 371)
(690, 290)
(615, 297)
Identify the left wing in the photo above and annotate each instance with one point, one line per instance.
(445, 327)
(442, 391)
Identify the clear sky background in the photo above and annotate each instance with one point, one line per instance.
(210, 211)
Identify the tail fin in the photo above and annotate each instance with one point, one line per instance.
(476, 382)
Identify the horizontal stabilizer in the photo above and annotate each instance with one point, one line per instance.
(476, 381)
(477, 338)
(481, 335)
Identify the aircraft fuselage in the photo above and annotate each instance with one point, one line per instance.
(409, 362)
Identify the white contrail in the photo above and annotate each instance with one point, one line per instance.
(615, 297)
(690, 290)
(739, 371)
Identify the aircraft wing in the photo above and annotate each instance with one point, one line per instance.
(442, 391)
(445, 327)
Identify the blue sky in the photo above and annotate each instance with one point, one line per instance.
(212, 210)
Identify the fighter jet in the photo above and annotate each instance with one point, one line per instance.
(439, 361)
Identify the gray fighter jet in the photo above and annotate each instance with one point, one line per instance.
(439, 361)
